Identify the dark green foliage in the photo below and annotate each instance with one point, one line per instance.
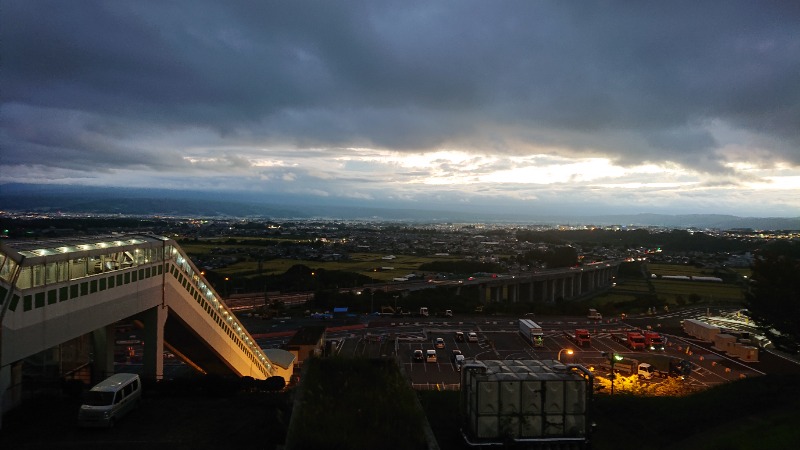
(631, 269)
(356, 404)
(461, 267)
(561, 256)
(298, 278)
(773, 300)
(441, 408)
(686, 422)
(757, 413)
(274, 384)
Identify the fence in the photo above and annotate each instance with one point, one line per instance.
(436, 386)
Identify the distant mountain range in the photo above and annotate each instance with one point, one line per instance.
(50, 199)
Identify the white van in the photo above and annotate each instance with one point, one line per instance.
(110, 400)
(594, 315)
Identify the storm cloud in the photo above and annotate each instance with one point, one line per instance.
(320, 96)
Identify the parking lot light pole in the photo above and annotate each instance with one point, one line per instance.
(612, 359)
(568, 350)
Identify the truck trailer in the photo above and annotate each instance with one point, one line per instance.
(664, 366)
(649, 367)
(532, 332)
(700, 330)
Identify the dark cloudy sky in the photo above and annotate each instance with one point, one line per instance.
(634, 106)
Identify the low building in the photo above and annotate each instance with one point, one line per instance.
(307, 342)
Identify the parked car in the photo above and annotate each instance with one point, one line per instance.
(472, 337)
(459, 336)
(430, 356)
(439, 343)
(459, 361)
(456, 353)
(418, 356)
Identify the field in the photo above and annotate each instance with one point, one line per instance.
(707, 291)
(636, 293)
(370, 264)
(679, 269)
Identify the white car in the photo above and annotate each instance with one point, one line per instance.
(430, 356)
(459, 361)
(472, 337)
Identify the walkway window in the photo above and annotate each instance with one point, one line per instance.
(38, 275)
(5, 272)
(79, 268)
(51, 273)
(24, 281)
(63, 271)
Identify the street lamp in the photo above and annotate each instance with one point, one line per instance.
(612, 359)
(568, 350)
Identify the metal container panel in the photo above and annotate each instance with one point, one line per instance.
(487, 397)
(554, 397)
(531, 397)
(509, 397)
(574, 397)
(531, 426)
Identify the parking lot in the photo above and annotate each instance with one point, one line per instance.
(500, 340)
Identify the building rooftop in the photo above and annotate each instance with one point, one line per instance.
(307, 336)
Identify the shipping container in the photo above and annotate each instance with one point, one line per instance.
(530, 402)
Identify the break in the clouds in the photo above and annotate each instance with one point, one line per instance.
(629, 106)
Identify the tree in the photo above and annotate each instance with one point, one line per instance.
(274, 383)
(773, 300)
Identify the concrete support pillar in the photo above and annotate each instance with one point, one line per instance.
(572, 286)
(154, 320)
(103, 341)
(531, 286)
(543, 284)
